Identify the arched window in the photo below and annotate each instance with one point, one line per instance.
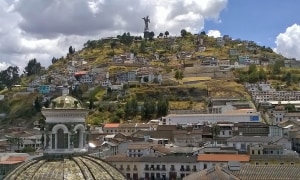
(60, 139)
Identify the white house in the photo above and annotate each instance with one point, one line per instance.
(166, 167)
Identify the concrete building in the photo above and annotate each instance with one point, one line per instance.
(166, 167)
(242, 143)
(185, 119)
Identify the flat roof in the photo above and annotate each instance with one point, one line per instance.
(111, 125)
(223, 157)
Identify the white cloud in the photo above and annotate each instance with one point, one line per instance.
(45, 29)
(287, 43)
(214, 33)
(4, 65)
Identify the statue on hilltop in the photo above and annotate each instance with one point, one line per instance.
(147, 21)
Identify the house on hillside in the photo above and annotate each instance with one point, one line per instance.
(220, 41)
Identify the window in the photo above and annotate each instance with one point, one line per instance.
(256, 163)
(157, 167)
(182, 168)
(229, 132)
(172, 168)
(258, 151)
(128, 175)
(194, 168)
(158, 175)
(266, 163)
(292, 163)
(252, 151)
(204, 166)
(163, 167)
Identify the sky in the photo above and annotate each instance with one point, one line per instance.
(43, 29)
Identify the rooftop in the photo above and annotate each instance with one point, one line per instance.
(223, 157)
(111, 125)
(262, 139)
(274, 172)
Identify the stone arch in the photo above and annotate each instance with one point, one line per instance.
(60, 134)
(79, 130)
(60, 126)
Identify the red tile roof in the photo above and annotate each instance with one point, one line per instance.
(223, 157)
(14, 160)
(111, 125)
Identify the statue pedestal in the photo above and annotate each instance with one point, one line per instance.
(146, 34)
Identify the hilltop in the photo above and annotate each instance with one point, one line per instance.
(185, 73)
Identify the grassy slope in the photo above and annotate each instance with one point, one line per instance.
(20, 105)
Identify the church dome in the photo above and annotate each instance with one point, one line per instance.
(66, 102)
(71, 168)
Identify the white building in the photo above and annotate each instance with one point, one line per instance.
(166, 167)
(186, 119)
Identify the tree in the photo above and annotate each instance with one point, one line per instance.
(162, 107)
(143, 47)
(37, 104)
(149, 109)
(54, 60)
(178, 75)
(262, 74)
(33, 67)
(167, 33)
(145, 79)
(91, 104)
(276, 67)
(161, 35)
(183, 32)
(126, 38)
(252, 68)
(131, 108)
(113, 45)
(290, 107)
(10, 76)
(151, 35)
(71, 50)
(288, 78)
(203, 33)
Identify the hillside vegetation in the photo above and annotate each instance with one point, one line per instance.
(175, 55)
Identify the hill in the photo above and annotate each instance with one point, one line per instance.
(205, 66)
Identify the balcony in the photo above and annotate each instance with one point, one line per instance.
(127, 169)
(172, 169)
(182, 169)
(146, 168)
(194, 169)
(163, 169)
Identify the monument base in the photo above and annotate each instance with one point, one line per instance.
(146, 34)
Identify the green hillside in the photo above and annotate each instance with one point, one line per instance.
(109, 106)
